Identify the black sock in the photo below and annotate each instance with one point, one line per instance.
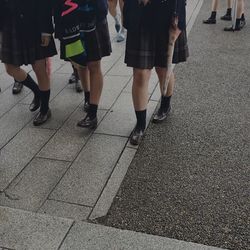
(238, 20)
(44, 95)
(92, 111)
(86, 96)
(213, 15)
(31, 84)
(165, 102)
(141, 119)
(229, 12)
(243, 17)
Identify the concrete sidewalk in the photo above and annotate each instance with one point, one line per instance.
(57, 178)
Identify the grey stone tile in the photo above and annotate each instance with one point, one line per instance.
(113, 86)
(5, 81)
(110, 61)
(65, 210)
(58, 83)
(86, 178)
(28, 231)
(65, 69)
(12, 122)
(156, 95)
(121, 119)
(120, 69)
(19, 151)
(31, 188)
(113, 185)
(62, 107)
(69, 139)
(91, 236)
(8, 100)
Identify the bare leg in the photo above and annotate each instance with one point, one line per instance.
(140, 88)
(43, 79)
(229, 4)
(83, 73)
(215, 5)
(112, 7)
(16, 72)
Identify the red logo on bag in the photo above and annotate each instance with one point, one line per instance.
(72, 6)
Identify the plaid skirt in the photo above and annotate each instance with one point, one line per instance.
(97, 43)
(19, 49)
(145, 49)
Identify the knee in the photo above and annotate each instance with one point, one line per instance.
(140, 77)
(94, 67)
(11, 70)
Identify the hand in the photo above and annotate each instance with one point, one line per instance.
(144, 2)
(45, 40)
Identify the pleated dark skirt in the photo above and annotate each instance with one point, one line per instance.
(18, 49)
(145, 49)
(97, 43)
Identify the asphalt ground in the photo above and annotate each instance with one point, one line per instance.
(190, 179)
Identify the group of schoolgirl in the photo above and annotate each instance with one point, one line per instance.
(26, 31)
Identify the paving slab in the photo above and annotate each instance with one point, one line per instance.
(86, 178)
(30, 189)
(95, 237)
(28, 231)
(58, 83)
(121, 118)
(65, 210)
(19, 152)
(69, 139)
(62, 107)
(113, 185)
(12, 122)
(113, 87)
(120, 69)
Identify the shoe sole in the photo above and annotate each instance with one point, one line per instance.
(155, 121)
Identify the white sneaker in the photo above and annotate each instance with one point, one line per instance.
(120, 36)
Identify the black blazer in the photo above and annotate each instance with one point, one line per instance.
(32, 16)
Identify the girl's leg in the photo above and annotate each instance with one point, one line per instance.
(121, 35)
(228, 15)
(140, 100)
(96, 85)
(165, 106)
(25, 79)
(84, 76)
(113, 12)
(212, 18)
(43, 79)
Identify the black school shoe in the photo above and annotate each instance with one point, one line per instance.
(73, 78)
(161, 115)
(35, 104)
(209, 21)
(87, 122)
(86, 106)
(17, 88)
(226, 17)
(237, 28)
(242, 23)
(41, 118)
(136, 137)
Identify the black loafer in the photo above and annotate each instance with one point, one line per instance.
(17, 88)
(86, 107)
(226, 17)
(242, 24)
(35, 104)
(88, 123)
(210, 21)
(231, 29)
(41, 118)
(73, 78)
(117, 27)
(161, 115)
(136, 137)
